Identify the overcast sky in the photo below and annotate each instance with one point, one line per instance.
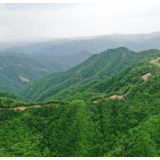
(19, 21)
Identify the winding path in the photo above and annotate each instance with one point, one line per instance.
(22, 108)
(112, 97)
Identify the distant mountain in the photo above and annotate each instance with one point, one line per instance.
(95, 44)
(134, 37)
(98, 66)
(34, 47)
(154, 41)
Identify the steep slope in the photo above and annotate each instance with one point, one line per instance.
(127, 127)
(98, 66)
(17, 71)
(117, 84)
(63, 63)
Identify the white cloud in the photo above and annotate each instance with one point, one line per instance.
(68, 20)
(2, 6)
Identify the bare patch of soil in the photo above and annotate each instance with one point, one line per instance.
(95, 101)
(145, 77)
(114, 97)
(117, 96)
(152, 61)
(22, 108)
(23, 79)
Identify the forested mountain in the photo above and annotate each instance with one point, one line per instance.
(9, 100)
(120, 83)
(27, 63)
(65, 62)
(17, 70)
(90, 126)
(97, 67)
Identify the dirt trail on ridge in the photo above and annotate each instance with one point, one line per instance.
(22, 108)
(145, 77)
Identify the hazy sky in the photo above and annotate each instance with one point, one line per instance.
(18, 21)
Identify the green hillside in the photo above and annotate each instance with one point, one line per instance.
(97, 67)
(13, 68)
(9, 100)
(117, 84)
(114, 116)
(62, 63)
(17, 70)
(127, 127)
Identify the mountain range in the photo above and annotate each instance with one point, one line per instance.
(95, 44)
(17, 70)
(110, 109)
(75, 100)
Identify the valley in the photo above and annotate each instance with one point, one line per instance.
(79, 79)
(106, 106)
(17, 70)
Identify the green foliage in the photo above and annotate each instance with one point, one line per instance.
(127, 127)
(97, 67)
(32, 67)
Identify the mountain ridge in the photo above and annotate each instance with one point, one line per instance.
(97, 67)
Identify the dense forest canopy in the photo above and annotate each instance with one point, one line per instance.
(18, 70)
(112, 108)
(97, 67)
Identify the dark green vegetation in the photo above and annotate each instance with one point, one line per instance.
(14, 66)
(10, 100)
(111, 127)
(127, 127)
(97, 67)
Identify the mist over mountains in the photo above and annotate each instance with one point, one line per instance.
(95, 44)
(37, 58)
